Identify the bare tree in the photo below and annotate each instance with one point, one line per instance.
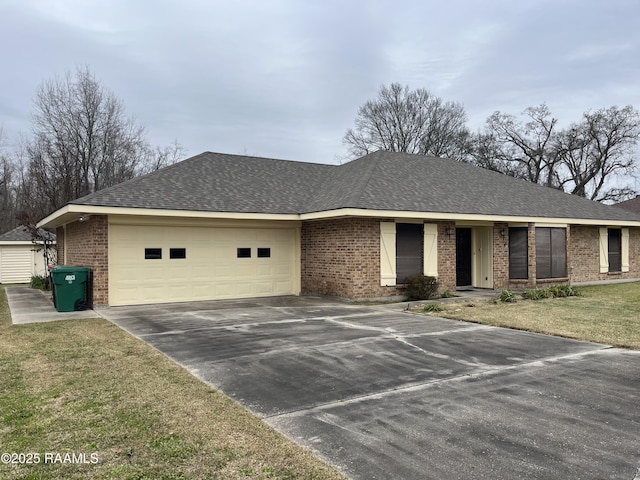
(524, 150)
(583, 159)
(160, 157)
(412, 121)
(599, 149)
(7, 192)
(82, 142)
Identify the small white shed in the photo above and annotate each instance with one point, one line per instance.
(20, 257)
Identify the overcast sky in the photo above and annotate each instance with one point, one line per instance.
(285, 78)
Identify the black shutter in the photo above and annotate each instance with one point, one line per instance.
(518, 255)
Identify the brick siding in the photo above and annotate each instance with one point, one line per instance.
(86, 245)
(446, 257)
(341, 257)
(501, 255)
(584, 254)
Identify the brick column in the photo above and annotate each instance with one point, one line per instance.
(87, 245)
(446, 257)
(500, 256)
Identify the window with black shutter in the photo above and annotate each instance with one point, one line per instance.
(518, 253)
(409, 240)
(551, 252)
(615, 250)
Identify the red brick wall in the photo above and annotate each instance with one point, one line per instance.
(584, 255)
(501, 256)
(60, 244)
(446, 257)
(341, 257)
(86, 245)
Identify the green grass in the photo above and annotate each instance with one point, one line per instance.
(87, 387)
(607, 314)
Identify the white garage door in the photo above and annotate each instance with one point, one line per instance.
(16, 263)
(156, 264)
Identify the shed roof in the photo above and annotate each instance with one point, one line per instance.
(21, 234)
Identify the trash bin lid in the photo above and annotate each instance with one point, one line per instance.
(69, 269)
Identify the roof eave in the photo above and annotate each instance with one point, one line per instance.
(445, 216)
(72, 212)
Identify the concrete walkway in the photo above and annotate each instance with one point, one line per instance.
(30, 305)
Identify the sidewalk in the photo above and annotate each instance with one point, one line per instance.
(30, 305)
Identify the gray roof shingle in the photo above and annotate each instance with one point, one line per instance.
(218, 183)
(21, 234)
(379, 181)
(632, 205)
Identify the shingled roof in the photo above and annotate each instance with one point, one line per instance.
(214, 182)
(632, 205)
(21, 234)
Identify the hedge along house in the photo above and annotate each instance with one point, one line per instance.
(225, 226)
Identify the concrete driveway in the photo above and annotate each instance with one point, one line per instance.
(384, 394)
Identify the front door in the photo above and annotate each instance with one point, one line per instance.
(463, 257)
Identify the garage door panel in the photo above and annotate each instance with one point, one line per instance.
(211, 269)
(16, 264)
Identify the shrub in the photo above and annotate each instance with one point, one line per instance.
(447, 294)
(432, 307)
(554, 291)
(536, 294)
(507, 296)
(564, 291)
(38, 281)
(421, 287)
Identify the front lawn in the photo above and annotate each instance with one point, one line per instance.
(607, 314)
(83, 399)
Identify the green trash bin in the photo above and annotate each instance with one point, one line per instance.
(70, 288)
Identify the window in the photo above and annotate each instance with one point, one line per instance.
(264, 252)
(518, 253)
(177, 253)
(153, 253)
(551, 252)
(244, 253)
(615, 249)
(409, 249)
